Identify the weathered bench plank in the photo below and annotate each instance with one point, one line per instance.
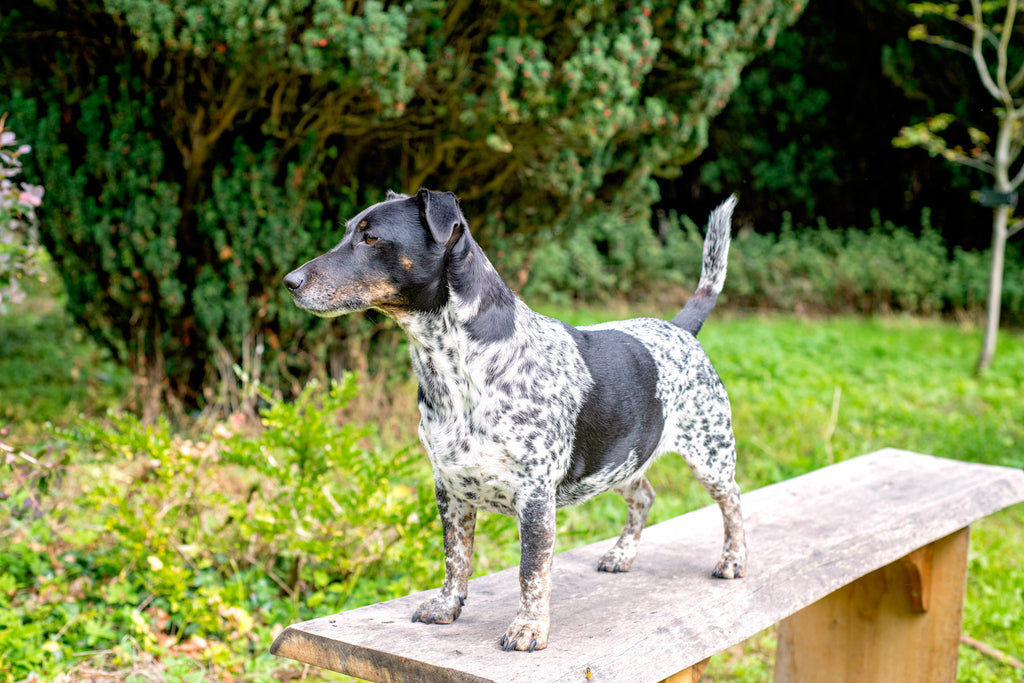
(807, 537)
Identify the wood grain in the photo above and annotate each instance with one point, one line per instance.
(807, 537)
(873, 630)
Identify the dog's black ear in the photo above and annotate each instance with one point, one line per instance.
(441, 213)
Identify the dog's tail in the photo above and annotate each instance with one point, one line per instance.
(712, 274)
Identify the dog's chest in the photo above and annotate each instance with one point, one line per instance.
(486, 452)
(498, 421)
(473, 459)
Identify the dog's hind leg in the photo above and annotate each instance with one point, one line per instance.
(639, 496)
(458, 524)
(715, 470)
(733, 564)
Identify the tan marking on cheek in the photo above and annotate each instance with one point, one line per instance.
(371, 292)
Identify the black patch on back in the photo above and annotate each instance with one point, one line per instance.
(621, 412)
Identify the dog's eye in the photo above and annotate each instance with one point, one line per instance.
(369, 239)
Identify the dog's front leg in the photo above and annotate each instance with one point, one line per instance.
(529, 630)
(458, 524)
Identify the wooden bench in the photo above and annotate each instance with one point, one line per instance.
(864, 563)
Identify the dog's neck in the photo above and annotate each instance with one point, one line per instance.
(479, 306)
(480, 311)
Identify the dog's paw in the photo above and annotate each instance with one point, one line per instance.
(730, 568)
(525, 635)
(615, 560)
(442, 609)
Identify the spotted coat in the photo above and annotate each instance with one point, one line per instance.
(521, 413)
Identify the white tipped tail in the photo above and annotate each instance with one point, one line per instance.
(713, 267)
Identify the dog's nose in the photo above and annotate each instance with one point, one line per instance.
(294, 280)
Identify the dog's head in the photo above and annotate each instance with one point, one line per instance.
(393, 257)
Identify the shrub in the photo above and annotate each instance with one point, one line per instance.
(821, 269)
(211, 146)
(203, 545)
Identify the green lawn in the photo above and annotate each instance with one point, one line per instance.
(805, 393)
(49, 371)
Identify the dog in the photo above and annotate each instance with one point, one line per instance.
(522, 414)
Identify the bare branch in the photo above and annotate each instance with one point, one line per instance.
(1016, 227)
(987, 35)
(1017, 179)
(965, 160)
(979, 58)
(948, 44)
(1004, 43)
(1018, 80)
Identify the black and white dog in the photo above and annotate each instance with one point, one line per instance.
(522, 414)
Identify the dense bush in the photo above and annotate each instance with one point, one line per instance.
(883, 268)
(201, 149)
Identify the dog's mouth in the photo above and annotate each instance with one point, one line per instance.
(328, 306)
(352, 299)
(325, 312)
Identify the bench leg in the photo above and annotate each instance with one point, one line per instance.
(691, 675)
(899, 623)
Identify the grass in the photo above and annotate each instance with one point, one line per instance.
(805, 393)
(49, 371)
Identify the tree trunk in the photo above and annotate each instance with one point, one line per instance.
(995, 287)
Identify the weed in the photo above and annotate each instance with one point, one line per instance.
(198, 548)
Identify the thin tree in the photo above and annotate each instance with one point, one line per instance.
(990, 50)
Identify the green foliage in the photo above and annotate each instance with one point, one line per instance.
(343, 510)
(985, 31)
(809, 129)
(601, 259)
(198, 548)
(776, 161)
(928, 136)
(211, 146)
(881, 268)
(996, 571)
